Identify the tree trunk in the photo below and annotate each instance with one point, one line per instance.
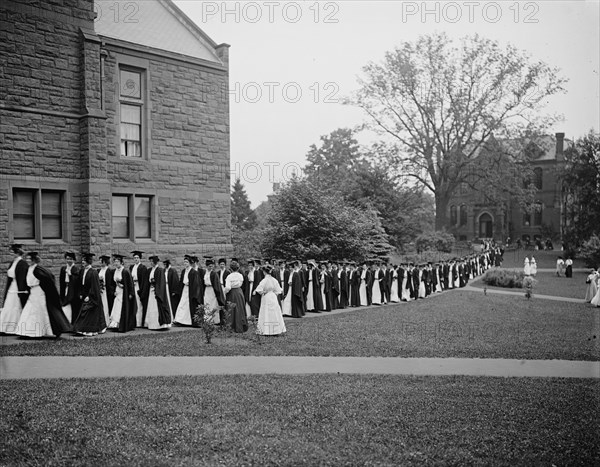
(441, 208)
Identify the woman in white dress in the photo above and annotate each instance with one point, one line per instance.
(592, 287)
(124, 308)
(105, 286)
(533, 266)
(189, 286)
(270, 318)
(421, 292)
(42, 315)
(15, 296)
(596, 300)
(404, 290)
(286, 305)
(526, 266)
(376, 286)
(362, 288)
(158, 315)
(394, 290)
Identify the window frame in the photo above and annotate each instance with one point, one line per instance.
(37, 191)
(131, 218)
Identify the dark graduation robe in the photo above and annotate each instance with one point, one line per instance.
(193, 291)
(386, 284)
(335, 289)
(344, 289)
(298, 305)
(58, 320)
(369, 283)
(225, 274)
(326, 291)
(143, 284)
(174, 289)
(425, 277)
(200, 285)
(249, 288)
(91, 314)
(316, 289)
(21, 280)
(217, 287)
(445, 276)
(109, 286)
(129, 305)
(354, 283)
(160, 293)
(70, 295)
(416, 282)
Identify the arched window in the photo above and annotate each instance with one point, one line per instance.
(537, 177)
(453, 215)
(463, 215)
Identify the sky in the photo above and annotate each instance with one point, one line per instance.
(291, 64)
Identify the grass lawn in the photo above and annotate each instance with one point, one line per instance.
(544, 258)
(300, 420)
(549, 284)
(454, 324)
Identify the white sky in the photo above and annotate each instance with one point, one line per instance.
(319, 48)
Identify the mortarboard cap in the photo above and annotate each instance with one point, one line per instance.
(137, 253)
(118, 256)
(70, 254)
(222, 260)
(154, 258)
(16, 247)
(104, 257)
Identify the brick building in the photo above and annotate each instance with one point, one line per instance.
(470, 217)
(114, 130)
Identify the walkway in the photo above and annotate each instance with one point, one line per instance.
(108, 367)
(470, 288)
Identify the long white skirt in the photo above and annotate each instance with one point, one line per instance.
(595, 301)
(394, 291)
(310, 301)
(590, 292)
(115, 313)
(68, 311)
(362, 292)
(376, 293)
(11, 313)
(210, 299)
(405, 293)
(323, 298)
(105, 306)
(286, 306)
(422, 289)
(34, 321)
(182, 315)
(450, 280)
(151, 321)
(270, 318)
(140, 308)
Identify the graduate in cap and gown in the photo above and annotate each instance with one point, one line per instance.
(139, 274)
(190, 293)
(234, 283)
(364, 281)
(251, 280)
(377, 279)
(69, 287)
(172, 285)
(158, 314)
(213, 291)
(314, 298)
(123, 314)
(295, 294)
(223, 271)
(394, 285)
(42, 314)
(16, 292)
(90, 319)
(325, 288)
(342, 275)
(354, 285)
(107, 288)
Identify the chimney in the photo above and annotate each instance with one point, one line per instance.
(560, 146)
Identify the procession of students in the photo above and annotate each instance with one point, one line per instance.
(89, 301)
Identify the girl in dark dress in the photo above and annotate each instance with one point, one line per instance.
(90, 319)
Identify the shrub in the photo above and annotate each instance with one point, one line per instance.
(590, 252)
(498, 277)
(440, 241)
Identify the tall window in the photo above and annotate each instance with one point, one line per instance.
(453, 216)
(533, 216)
(463, 215)
(37, 214)
(132, 216)
(132, 103)
(537, 177)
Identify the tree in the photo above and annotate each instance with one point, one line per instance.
(305, 222)
(242, 216)
(439, 103)
(582, 190)
(340, 165)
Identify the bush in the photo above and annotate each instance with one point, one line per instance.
(437, 241)
(590, 252)
(498, 277)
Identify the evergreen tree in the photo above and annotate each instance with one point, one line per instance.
(242, 216)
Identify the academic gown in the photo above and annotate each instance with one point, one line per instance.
(69, 291)
(91, 315)
(192, 292)
(252, 299)
(298, 305)
(58, 321)
(160, 296)
(127, 320)
(335, 289)
(141, 294)
(174, 289)
(354, 283)
(21, 281)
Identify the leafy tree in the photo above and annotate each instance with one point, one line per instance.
(242, 216)
(582, 190)
(340, 165)
(440, 102)
(435, 241)
(590, 252)
(306, 222)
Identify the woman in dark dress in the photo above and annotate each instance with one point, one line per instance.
(16, 293)
(90, 319)
(233, 289)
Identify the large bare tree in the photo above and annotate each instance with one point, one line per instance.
(440, 101)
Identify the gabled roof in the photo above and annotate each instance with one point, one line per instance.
(159, 24)
(543, 147)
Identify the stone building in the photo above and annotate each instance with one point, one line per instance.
(114, 130)
(471, 217)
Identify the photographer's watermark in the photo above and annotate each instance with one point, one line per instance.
(470, 12)
(270, 12)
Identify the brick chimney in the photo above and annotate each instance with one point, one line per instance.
(560, 146)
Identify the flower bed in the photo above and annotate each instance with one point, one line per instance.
(499, 277)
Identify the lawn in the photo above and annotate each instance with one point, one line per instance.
(545, 259)
(454, 324)
(300, 420)
(548, 283)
